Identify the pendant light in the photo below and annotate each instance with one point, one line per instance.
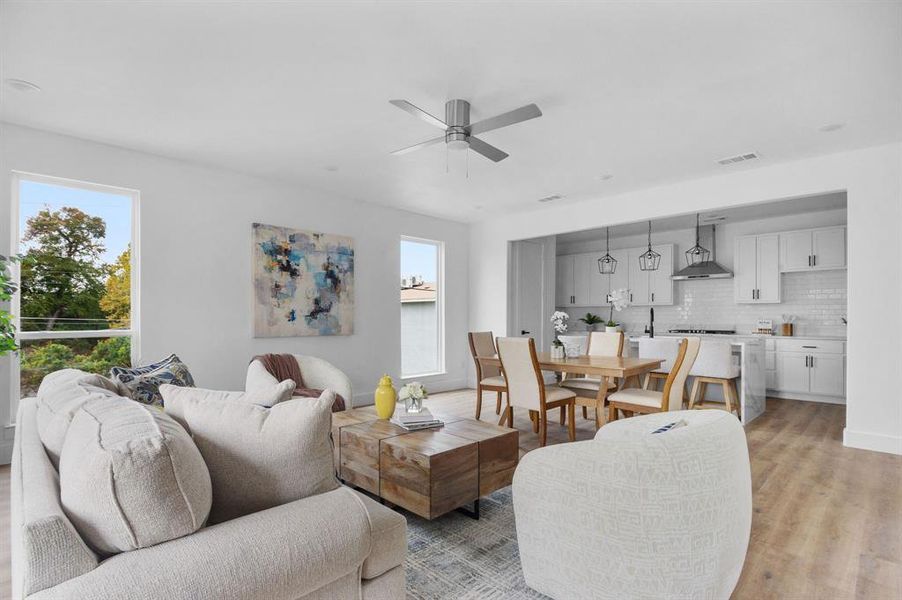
(697, 255)
(607, 264)
(650, 260)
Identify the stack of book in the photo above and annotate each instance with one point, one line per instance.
(415, 421)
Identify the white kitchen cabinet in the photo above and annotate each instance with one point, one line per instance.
(806, 369)
(813, 249)
(563, 289)
(651, 288)
(583, 265)
(757, 269)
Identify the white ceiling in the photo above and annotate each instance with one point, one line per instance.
(751, 212)
(650, 92)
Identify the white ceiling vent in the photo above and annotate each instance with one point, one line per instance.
(550, 198)
(738, 158)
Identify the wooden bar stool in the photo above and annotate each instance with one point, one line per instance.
(488, 377)
(666, 348)
(715, 365)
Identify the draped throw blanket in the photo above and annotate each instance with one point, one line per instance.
(285, 366)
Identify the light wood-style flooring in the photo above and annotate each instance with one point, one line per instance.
(827, 520)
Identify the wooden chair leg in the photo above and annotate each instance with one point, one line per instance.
(571, 428)
(727, 395)
(507, 417)
(693, 395)
(612, 413)
(478, 401)
(498, 404)
(585, 413)
(563, 415)
(736, 400)
(543, 427)
(534, 417)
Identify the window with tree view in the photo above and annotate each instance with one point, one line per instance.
(75, 309)
(422, 346)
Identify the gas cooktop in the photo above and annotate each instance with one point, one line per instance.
(704, 331)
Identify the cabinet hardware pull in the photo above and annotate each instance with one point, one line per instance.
(814, 260)
(652, 296)
(812, 361)
(806, 361)
(809, 346)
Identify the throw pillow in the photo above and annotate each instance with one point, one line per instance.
(59, 397)
(258, 457)
(131, 477)
(143, 383)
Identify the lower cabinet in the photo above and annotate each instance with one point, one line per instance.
(806, 369)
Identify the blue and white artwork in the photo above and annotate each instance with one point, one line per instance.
(303, 282)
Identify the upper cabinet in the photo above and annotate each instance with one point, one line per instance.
(578, 282)
(757, 269)
(813, 249)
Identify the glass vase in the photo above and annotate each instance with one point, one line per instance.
(413, 405)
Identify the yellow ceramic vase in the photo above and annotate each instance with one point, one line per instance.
(386, 396)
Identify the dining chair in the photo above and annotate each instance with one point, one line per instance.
(661, 347)
(639, 400)
(488, 377)
(526, 387)
(715, 365)
(586, 388)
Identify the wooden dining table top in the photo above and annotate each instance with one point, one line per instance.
(604, 366)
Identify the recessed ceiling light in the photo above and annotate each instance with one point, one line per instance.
(831, 127)
(22, 85)
(331, 168)
(550, 198)
(605, 177)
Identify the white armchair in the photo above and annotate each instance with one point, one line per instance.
(317, 373)
(633, 514)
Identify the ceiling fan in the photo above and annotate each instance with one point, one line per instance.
(459, 132)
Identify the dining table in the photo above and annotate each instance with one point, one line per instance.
(628, 369)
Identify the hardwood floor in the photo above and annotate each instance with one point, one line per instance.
(827, 521)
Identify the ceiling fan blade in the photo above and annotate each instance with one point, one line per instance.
(418, 112)
(524, 113)
(420, 145)
(487, 150)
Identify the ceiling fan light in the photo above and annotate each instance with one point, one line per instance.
(458, 145)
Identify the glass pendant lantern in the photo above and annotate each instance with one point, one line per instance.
(650, 259)
(607, 264)
(697, 255)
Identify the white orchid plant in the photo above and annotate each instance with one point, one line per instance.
(619, 300)
(559, 321)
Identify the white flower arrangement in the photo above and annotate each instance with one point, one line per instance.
(619, 300)
(413, 391)
(559, 322)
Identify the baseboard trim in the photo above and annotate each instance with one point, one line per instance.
(434, 384)
(806, 397)
(876, 442)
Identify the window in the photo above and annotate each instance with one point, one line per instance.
(76, 304)
(422, 308)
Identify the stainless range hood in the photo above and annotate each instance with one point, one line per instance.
(708, 270)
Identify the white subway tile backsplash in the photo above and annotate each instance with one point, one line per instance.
(817, 299)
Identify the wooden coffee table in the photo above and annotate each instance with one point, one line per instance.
(428, 472)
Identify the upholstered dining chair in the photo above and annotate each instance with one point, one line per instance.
(638, 400)
(488, 377)
(660, 347)
(586, 388)
(526, 387)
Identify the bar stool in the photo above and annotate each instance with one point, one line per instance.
(666, 348)
(714, 364)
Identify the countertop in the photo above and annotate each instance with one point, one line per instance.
(748, 336)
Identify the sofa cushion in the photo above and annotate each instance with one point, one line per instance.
(59, 397)
(265, 397)
(143, 383)
(258, 457)
(130, 476)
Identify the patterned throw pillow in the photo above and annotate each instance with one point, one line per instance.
(143, 383)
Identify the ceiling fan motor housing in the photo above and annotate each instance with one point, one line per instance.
(457, 117)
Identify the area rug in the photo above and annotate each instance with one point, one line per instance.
(456, 557)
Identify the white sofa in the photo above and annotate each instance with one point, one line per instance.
(317, 373)
(633, 514)
(338, 544)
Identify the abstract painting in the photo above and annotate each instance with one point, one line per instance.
(303, 283)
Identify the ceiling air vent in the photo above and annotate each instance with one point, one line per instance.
(550, 198)
(738, 158)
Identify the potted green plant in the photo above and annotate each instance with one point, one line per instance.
(591, 321)
(8, 288)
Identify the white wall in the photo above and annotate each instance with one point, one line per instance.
(196, 267)
(872, 178)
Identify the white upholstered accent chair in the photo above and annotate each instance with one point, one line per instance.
(714, 364)
(488, 377)
(526, 387)
(660, 347)
(316, 372)
(586, 388)
(638, 515)
(640, 400)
